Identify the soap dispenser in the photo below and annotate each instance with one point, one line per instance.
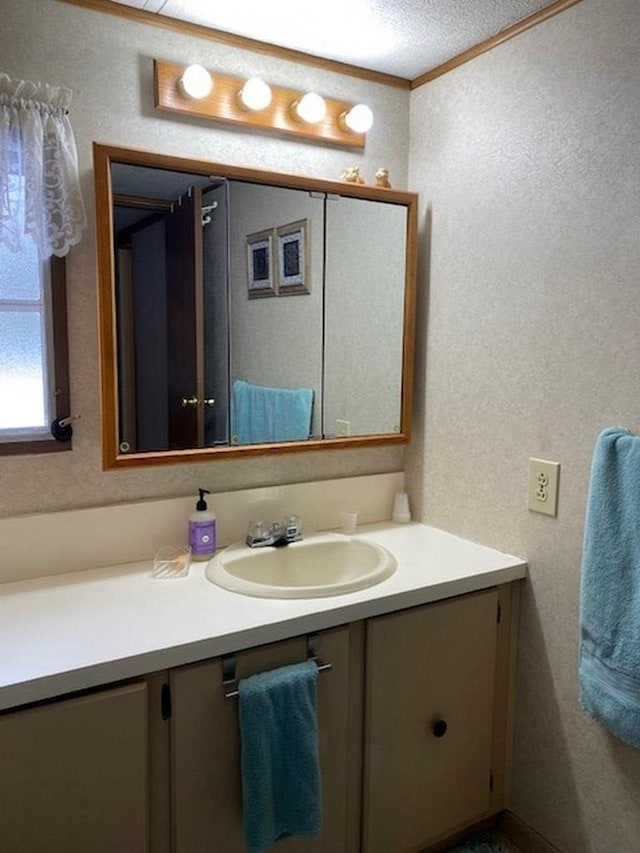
(202, 530)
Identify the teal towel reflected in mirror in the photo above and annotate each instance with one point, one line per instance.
(261, 414)
(281, 789)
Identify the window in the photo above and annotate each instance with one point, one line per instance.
(34, 388)
(41, 217)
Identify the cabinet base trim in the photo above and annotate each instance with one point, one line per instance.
(523, 835)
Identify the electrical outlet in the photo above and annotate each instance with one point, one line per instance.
(543, 486)
(342, 427)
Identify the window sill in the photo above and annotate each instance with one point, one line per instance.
(22, 448)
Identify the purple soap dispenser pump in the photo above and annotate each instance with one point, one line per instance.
(202, 530)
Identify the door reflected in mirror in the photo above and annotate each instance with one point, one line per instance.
(246, 312)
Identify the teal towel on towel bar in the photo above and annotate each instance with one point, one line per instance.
(609, 669)
(280, 768)
(260, 414)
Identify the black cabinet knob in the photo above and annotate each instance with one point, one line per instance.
(439, 728)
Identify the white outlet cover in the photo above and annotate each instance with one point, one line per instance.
(544, 478)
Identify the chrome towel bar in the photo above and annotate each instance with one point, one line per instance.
(229, 666)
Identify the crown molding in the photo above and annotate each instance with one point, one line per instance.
(142, 16)
(494, 41)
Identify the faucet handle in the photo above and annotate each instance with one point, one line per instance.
(292, 527)
(257, 531)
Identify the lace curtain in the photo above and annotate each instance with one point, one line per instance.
(39, 185)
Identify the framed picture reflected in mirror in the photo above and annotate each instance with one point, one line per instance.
(293, 253)
(260, 271)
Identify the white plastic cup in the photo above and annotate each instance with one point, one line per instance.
(401, 512)
(349, 522)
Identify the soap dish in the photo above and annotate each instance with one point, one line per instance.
(171, 561)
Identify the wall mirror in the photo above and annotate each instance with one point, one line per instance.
(246, 312)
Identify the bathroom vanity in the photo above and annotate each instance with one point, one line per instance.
(117, 735)
(426, 687)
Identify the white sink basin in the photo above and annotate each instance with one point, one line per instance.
(322, 564)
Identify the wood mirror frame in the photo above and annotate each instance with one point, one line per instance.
(104, 156)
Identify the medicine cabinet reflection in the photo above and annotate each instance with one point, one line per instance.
(244, 311)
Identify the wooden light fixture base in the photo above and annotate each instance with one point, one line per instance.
(223, 104)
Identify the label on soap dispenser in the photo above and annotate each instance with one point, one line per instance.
(202, 538)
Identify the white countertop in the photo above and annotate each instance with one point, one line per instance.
(79, 630)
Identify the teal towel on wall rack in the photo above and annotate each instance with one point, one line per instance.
(609, 668)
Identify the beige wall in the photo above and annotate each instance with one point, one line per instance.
(107, 61)
(527, 160)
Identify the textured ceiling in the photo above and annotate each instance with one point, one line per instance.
(405, 38)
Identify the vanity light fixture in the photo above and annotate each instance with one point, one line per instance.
(196, 82)
(311, 108)
(253, 103)
(255, 94)
(359, 119)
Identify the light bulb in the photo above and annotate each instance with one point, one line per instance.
(359, 119)
(312, 108)
(255, 94)
(196, 82)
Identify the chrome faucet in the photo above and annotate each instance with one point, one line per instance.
(276, 534)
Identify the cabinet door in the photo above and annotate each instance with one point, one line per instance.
(205, 748)
(428, 727)
(74, 775)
